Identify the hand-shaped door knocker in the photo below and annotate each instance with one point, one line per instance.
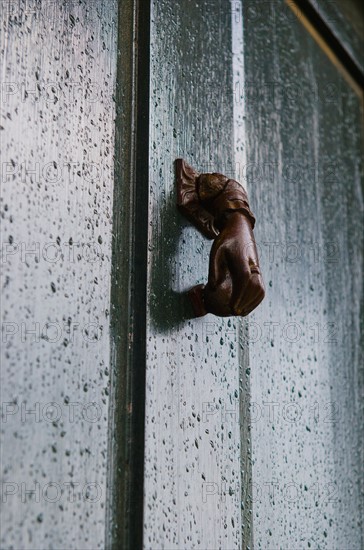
(218, 207)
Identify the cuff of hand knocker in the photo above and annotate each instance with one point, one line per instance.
(221, 195)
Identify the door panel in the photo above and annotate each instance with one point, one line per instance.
(57, 138)
(193, 434)
(304, 131)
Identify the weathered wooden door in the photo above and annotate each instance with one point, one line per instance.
(126, 422)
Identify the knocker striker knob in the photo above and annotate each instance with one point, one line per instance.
(219, 208)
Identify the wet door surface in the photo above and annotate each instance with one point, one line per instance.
(131, 422)
(264, 416)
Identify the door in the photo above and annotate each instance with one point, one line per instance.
(127, 422)
(253, 428)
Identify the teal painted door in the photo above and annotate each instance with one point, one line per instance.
(126, 422)
(253, 430)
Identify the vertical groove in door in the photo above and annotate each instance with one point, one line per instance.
(124, 526)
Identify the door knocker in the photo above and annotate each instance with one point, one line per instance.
(219, 208)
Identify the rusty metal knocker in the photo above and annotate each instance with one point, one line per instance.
(219, 208)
